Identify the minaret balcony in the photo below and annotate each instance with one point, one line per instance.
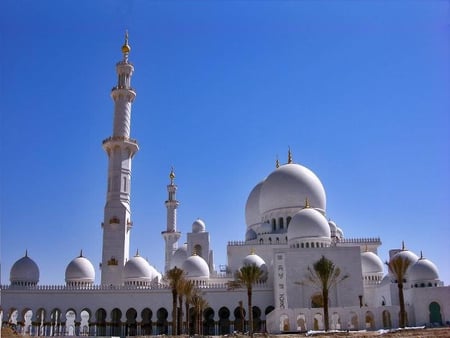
(121, 141)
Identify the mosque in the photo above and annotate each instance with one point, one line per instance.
(287, 231)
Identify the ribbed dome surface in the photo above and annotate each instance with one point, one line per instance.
(24, 271)
(80, 269)
(371, 263)
(195, 267)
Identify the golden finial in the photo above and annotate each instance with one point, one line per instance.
(277, 163)
(172, 175)
(252, 251)
(289, 155)
(307, 202)
(403, 246)
(366, 249)
(126, 47)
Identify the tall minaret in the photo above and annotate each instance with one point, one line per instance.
(171, 235)
(120, 149)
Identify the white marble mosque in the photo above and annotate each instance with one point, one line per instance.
(287, 231)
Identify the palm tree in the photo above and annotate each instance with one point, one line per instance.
(324, 275)
(174, 277)
(199, 303)
(398, 266)
(246, 277)
(186, 289)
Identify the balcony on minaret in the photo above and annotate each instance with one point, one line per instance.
(113, 261)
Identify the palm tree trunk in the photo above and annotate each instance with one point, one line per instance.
(250, 311)
(325, 309)
(186, 304)
(174, 312)
(402, 305)
(180, 314)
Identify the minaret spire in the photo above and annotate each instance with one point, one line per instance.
(171, 235)
(120, 149)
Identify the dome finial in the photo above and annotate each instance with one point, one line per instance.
(421, 254)
(277, 163)
(126, 47)
(307, 202)
(172, 175)
(289, 155)
(26, 252)
(366, 249)
(81, 253)
(403, 246)
(137, 253)
(252, 251)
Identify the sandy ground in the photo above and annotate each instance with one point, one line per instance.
(414, 333)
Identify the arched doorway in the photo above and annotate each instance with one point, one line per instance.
(370, 321)
(70, 322)
(208, 322)
(131, 328)
(161, 321)
(84, 324)
(100, 318)
(116, 324)
(256, 319)
(224, 321)
(146, 324)
(435, 313)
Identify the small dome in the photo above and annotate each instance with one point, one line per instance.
(250, 235)
(80, 270)
(371, 263)
(289, 186)
(195, 267)
(423, 270)
(409, 255)
(308, 223)
(333, 228)
(24, 272)
(339, 233)
(264, 228)
(137, 269)
(253, 259)
(198, 226)
(252, 213)
(179, 256)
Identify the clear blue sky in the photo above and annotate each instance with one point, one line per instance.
(358, 89)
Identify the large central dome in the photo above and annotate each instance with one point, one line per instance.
(287, 187)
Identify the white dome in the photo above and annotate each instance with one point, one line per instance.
(308, 223)
(24, 272)
(179, 256)
(195, 267)
(333, 227)
(80, 270)
(198, 226)
(137, 269)
(409, 255)
(252, 213)
(371, 263)
(423, 270)
(253, 259)
(289, 186)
